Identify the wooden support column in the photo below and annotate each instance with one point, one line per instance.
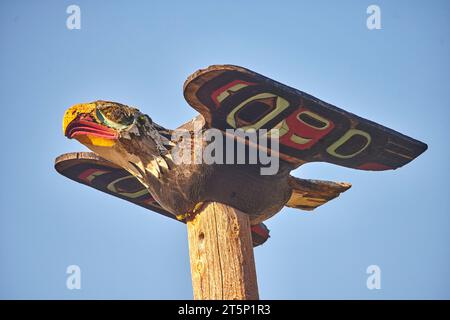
(221, 254)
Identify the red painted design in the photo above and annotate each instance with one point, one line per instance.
(374, 166)
(149, 200)
(260, 230)
(303, 130)
(217, 92)
(88, 172)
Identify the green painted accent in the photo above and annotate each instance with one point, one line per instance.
(281, 104)
(108, 122)
(350, 133)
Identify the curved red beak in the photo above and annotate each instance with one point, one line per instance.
(87, 126)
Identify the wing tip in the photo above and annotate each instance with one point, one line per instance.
(423, 149)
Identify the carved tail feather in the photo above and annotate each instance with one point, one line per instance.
(309, 194)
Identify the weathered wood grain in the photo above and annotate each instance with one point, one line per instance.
(221, 254)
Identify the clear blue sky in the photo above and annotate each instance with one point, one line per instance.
(140, 53)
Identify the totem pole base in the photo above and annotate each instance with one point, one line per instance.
(221, 254)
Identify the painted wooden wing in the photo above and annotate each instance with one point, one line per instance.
(310, 130)
(91, 170)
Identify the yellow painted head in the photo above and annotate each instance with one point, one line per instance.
(99, 123)
(116, 132)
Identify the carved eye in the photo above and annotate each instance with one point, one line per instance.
(114, 117)
(143, 118)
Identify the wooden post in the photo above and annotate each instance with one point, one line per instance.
(221, 254)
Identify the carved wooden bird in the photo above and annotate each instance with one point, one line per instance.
(132, 156)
